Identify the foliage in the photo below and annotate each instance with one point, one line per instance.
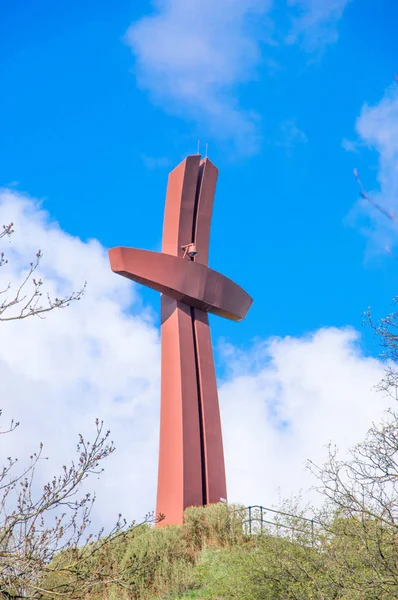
(44, 532)
(216, 525)
(160, 562)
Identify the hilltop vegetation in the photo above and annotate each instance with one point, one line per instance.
(211, 556)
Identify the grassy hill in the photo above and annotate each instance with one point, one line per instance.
(213, 556)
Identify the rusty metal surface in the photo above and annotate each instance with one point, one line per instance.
(180, 205)
(184, 280)
(180, 464)
(191, 458)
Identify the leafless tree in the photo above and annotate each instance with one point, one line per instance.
(29, 301)
(362, 488)
(46, 548)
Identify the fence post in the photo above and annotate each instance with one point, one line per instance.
(261, 517)
(250, 520)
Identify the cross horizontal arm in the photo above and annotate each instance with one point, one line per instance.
(187, 281)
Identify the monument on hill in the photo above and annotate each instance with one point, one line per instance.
(191, 457)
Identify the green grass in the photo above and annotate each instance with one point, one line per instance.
(209, 557)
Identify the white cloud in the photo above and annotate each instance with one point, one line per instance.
(191, 56)
(315, 24)
(350, 145)
(281, 402)
(91, 359)
(285, 401)
(194, 57)
(377, 127)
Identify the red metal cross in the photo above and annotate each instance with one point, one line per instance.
(191, 458)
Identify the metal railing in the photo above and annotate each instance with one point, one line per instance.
(256, 520)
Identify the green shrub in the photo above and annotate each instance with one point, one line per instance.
(209, 558)
(216, 524)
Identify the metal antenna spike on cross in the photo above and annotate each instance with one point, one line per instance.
(191, 458)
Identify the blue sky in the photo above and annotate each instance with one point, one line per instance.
(81, 133)
(100, 100)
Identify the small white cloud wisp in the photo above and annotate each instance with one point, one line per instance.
(281, 402)
(192, 57)
(315, 22)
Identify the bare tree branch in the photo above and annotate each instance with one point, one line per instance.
(26, 302)
(45, 550)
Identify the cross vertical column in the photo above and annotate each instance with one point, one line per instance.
(191, 461)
